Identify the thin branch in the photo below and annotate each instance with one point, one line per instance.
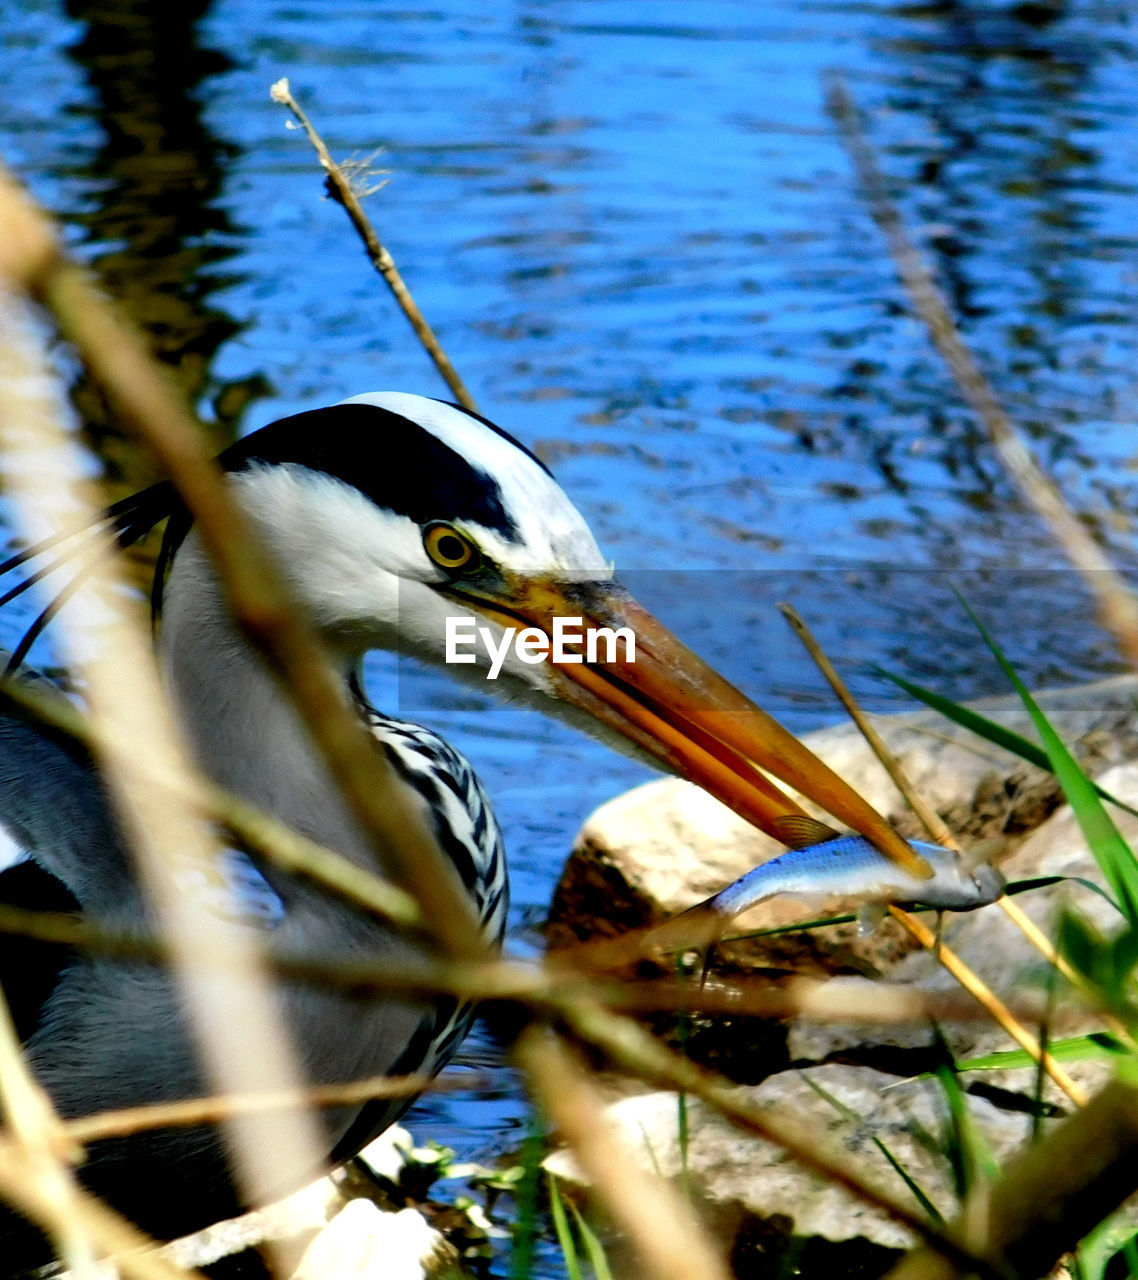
(936, 827)
(196, 1111)
(536, 991)
(341, 190)
(669, 1241)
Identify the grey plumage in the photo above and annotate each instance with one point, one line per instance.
(113, 1033)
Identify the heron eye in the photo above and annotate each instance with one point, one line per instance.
(448, 548)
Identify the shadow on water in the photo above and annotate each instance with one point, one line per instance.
(158, 233)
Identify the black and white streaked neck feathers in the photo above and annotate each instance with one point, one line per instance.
(462, 817)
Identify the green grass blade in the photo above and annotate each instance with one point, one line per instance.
(651, 1150)
(1039, 1081)
(1111, 852)
(564, 1232)
(967, 1150)
(852, 1116)
(683, 1135)
(1095, 1045)
(992, 732)
(1097, 1250)
(1011, 889)
(598, 1259)
(1045, 882)
(683, 1029)
(523, 1238)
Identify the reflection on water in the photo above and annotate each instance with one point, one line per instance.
(636, 234)
(153, 223)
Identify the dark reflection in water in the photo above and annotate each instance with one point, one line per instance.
(157, 233)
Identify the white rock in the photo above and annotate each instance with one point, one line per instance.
(305, 1215)
(363, 1243)
(302, 1214)
(736, 1177)
(387, 1155)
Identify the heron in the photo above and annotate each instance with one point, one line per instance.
(388, 513)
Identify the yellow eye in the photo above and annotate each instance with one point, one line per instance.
(448, 548)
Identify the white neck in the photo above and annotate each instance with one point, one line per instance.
(245, 733)
(248, 739)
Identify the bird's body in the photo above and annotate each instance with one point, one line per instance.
(387, 514)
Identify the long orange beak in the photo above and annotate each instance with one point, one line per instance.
(672, 705)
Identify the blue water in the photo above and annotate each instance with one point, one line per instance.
(636, 234)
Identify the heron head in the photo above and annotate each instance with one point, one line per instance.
(403, 522)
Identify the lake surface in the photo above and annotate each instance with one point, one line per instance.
(637, 236)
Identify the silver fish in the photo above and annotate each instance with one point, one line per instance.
(849, 867)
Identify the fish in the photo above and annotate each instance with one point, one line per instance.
(847, 866)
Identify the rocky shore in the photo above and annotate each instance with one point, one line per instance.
(666, 845)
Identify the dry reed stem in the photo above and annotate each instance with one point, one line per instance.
(285, 848)
(539, 992)
(669, 1241)
(976, 986)
(932, 821)
(196, 1111)
(940, 832)
(1043, 944)
(29, 1113)
(29, 248)
(1117, 604)
(342, 191)
(107, 639)
(38, 1137)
